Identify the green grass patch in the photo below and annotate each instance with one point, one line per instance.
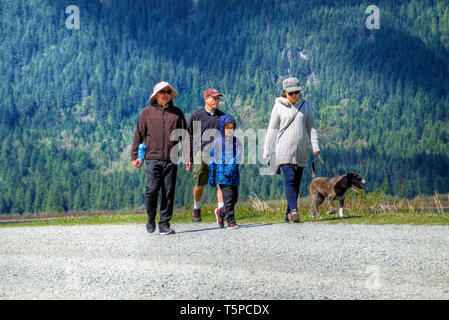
(398, 218)
(246, 213)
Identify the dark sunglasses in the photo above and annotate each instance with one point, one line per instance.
(165, 91)
(293, 93)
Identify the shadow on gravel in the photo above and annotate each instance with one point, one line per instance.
(197, 230)
(342, 219)
(251, 225)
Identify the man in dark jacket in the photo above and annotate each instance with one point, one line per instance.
(203, 122)
(155, 128)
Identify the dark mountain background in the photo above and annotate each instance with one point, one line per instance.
(70, 98)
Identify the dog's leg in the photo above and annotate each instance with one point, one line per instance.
(341, 206)
(316, 201)
(331, 207)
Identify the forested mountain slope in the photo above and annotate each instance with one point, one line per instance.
(70, 98)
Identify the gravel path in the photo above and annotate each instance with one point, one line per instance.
(275, 261)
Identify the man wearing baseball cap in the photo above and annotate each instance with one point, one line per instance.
(203, 119)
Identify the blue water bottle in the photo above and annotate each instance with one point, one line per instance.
(141, 152)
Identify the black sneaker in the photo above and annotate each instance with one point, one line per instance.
(196, 216)
(220, 218)
(294, 216)
(151, 225)
(232, 225)
(164, 230)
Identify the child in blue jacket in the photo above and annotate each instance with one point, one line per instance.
(225, 157)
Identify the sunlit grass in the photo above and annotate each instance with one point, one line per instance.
(360, 208)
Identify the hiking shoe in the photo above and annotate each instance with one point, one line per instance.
(287, 217)
(164, 230)
(232, 225)
(294, 216)
(151, 225)
(220, 218)
(196, 216)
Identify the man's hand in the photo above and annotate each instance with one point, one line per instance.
(188, 166)
(137, 163)
(316, 153)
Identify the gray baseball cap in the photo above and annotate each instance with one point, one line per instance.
(291, 84)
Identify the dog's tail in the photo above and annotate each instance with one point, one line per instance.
(313, 170)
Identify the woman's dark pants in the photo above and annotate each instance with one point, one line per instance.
(292, 175)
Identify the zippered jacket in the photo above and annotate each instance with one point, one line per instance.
(225, 157)
(298, 131)
(156, 127)
(208, 122)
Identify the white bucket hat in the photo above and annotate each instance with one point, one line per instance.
(158, 87)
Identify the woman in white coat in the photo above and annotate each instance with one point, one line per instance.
(291, 123)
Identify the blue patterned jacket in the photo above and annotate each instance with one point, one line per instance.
(225, 157)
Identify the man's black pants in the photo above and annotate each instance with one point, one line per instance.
(161, 175)
(230, 197)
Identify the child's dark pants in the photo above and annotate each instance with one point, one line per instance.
(230, 197)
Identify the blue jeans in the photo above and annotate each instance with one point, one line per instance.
(292, 175)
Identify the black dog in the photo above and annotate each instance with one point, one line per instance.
(334, 188)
